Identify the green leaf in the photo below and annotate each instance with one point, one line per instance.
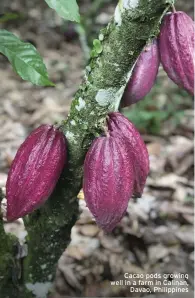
(97, 46)
(24, 58)
(67, 9)
(93, 53)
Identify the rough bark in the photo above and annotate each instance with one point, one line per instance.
(113, 56)
(10, 264)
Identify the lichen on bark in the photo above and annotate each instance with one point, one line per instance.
(109, 69)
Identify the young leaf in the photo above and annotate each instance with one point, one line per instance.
(24, 58)
(67, 9)
(97, 46)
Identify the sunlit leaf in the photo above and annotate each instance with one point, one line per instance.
(24, 58)
(67, 9)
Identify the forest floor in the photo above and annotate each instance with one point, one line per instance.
(156, 234)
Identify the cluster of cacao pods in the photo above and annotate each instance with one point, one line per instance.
(174, 48)
(115, 169)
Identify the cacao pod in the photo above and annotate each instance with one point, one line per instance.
(108, 180)
(35, 171)
(176, 45)
(120, 125)
(143, 75)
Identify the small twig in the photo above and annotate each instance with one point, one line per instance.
(173, 8)
(83, 40)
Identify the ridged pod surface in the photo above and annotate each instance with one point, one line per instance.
(143, 76)
(35, 171)
(120, 125)
(108, 181)
(176, 44)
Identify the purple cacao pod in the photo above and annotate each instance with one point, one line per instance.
(143, 75)
(176, 45)
(108, 181)
(120, 125)
(35, 171)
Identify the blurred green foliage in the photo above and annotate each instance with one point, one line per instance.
(6, 17)
(161, 105)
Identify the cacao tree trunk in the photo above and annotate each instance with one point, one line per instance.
(11, 285)
(113, 56)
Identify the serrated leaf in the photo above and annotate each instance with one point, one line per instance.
(67, 9)
(25, 59)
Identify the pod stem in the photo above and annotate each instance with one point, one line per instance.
(173, 8)
(106, 131)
